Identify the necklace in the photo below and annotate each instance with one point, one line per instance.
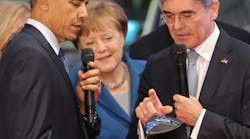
(115, 86)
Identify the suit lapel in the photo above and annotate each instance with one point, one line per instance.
(220, 62)
(45, 45)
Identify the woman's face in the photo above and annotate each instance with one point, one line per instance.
(107, 46)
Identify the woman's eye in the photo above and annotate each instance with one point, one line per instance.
(90, 43)
(108, 38)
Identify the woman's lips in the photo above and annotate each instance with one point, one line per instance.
(104, 58)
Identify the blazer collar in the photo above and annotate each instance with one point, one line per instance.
(135, 74)
(107, 100)
(45, 45)
(46, 32)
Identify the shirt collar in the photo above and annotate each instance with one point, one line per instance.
(206, 49)
(47, 33)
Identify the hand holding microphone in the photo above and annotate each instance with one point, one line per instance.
(180, 55)
(89, 85)
(187, 109)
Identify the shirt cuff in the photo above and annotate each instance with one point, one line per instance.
(197, 126)
(140, 131)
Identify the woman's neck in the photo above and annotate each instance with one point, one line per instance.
(117, 81)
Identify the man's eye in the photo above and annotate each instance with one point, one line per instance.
(170, 16)
(187, 15)
(76, 4)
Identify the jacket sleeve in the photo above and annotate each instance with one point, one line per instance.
(26, 98)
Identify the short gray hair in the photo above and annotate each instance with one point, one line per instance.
(206, 3)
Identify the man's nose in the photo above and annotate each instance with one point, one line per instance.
(83, 12)
(178, 24)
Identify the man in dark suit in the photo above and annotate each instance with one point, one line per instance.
(37, 100)
(218, 107)
(160, 39)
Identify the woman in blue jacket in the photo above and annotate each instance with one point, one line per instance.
(105, 32)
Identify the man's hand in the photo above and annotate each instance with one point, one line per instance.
(88, 81)
(187, 109)
(151, 106)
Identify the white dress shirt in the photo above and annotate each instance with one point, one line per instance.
(205, 51)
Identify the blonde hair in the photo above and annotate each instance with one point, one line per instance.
(10, 13)
(102, 13)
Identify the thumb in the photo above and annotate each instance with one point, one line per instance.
(164, 110)
(92, 64)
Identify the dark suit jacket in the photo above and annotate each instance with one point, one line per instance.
(160, 39)
(37, 100)
(225, 92)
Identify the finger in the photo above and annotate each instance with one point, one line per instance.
(151, 110)
(180, 98)
(154, 98)
(176, 97)
(143, 105)
(91, 87)
(96, 89)
(91, 80)
(180, 102)
(91, 73)
(92, 83)
(80, 74)
(142, 113)
(139, 115)
(92, 65)
(165, 110)
(138, 112)
(148, 108)
(80, 93)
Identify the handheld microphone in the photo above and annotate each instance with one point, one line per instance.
(86, 57)
(180, 55)
(167, 124)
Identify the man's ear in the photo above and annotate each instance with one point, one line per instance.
(214, 9)
(43, 4)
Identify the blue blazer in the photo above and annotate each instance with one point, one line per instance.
(115, 121)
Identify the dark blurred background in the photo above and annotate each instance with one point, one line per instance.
(144, 17)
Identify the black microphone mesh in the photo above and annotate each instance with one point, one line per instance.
(87, 55)
(180, 53)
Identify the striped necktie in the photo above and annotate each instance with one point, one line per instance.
(192, 73)
(192, 76)
(63, 59)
